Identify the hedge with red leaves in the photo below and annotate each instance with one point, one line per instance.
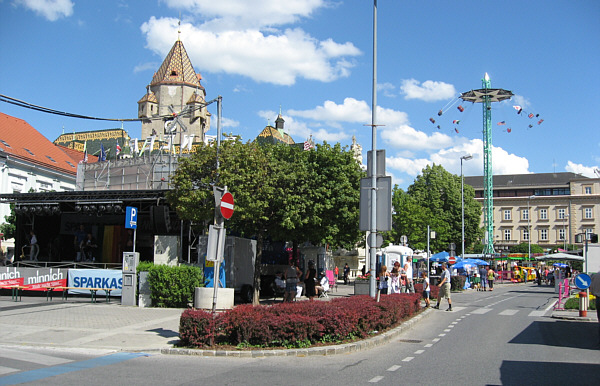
(297, 324)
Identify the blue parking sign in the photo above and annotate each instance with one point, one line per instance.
(131, 217)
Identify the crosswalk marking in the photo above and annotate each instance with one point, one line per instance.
(481, 311)
(394, 368)
(375, 379)
(32, 357)
(508, 312)
(537, 313)
(408, 359)
(6, 370)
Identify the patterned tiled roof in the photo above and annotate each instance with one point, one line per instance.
(272, 135)
(20, 140)
(177, 68)
(150, 97)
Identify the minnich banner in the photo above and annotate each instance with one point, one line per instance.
(33, 278)
(82, 279)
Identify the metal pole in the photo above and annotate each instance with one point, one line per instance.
(373, 235)
(462, 198)
(428, 254)
(528, 230)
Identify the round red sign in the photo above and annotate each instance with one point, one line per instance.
(227, 205)
(452, 260)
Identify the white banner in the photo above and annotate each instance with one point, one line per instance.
(95, 278)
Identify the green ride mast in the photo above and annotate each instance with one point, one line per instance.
(486, 95)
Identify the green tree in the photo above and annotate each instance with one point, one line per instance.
(524, 248)
(9, 227)
(434, 199)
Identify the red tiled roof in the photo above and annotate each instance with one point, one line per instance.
(20, 140)
(77, 155)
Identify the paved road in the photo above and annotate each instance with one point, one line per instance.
(501, 337)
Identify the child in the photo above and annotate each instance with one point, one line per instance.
(426, 288)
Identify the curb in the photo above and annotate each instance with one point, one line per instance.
(345, 348)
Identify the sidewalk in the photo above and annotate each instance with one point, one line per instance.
(106, 326)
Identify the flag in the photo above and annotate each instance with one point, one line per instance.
(85, 154)
(191, 142)
(307, 145)
(461, 109)
(133, 146)
(530, 115)
(501, 123)
(118, 149)
(540, 121)
(146, 142)
(518, 108)
(152, 143)
(102, 156)
(456, 121)
(508, 130)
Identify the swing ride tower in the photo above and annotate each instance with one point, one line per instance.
(486, 95)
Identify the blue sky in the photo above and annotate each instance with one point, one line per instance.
(313, 58)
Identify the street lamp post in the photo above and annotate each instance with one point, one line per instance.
(462, 198)
(529, 228)
(565, 230)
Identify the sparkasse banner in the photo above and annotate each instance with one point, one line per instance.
(95, 278)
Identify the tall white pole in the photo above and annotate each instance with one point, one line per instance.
(428, 254)
(462, 199)
(373, 235)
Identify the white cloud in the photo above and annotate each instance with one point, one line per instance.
(406, 137)
(587, 171)
(351, 110)
(278, 57)
(449, 158)
(50, 9)
(388, 89)
(243, 14)
(519, 100)
(428, 91)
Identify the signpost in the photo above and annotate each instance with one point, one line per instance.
(131, 221)
(583, 281)
(451, 260)
(227, 205)
(216, 235)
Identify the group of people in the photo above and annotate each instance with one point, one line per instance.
(293, 276)
(399, 280)
(487, 276)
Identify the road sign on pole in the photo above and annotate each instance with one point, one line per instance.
(583, 281)
(451, 260)
(226, 205)
(131, 218)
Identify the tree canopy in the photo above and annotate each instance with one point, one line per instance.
(434, 199)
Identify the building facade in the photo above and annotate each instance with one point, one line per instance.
(547, 209)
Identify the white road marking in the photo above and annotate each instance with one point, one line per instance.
(375, 379)
(454, 323)
(442, 335)
(435, 340)
(32, 357)
(394, 368)
(6, 370)
(408, 359)
(508, 312)
(537, 313)
(428, 345)
(447, 330)
(482, 311)
(419, 352)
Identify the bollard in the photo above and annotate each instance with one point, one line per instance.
(582, 304)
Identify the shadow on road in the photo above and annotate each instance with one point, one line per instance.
(548, 373)
(581, 335)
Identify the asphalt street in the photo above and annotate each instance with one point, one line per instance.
(505, 337)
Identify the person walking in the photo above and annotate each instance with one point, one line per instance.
(483, 275)
(292, 274)
(346, 273)
(410, 288)
(444, 288)
(394, 287)
(491, 276)
(426, 289)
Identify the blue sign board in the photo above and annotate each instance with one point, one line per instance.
(583, 281)
(131, 217)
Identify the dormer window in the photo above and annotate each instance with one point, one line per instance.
(4, 143)
(50, 158)
(173, 73)
(29, 151)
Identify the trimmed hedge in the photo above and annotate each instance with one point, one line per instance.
(174, 286)
(572, 303)
(297, 324)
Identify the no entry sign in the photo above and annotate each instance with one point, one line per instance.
(452, 260)
(227, 205)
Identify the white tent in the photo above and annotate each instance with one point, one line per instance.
(560, 256)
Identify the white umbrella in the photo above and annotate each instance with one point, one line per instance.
(560, 256)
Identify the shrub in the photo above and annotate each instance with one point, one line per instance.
(297, 324)
(174, 286)
(433, 293)
(573, 303)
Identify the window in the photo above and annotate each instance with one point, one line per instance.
(507, 235)
(50, 158)
(7, 145)
(543, 214)
(561, 234)
(588, 213)
(525, 214)
(526, 234)
(507, 214)
(588, 190)
(543, 234)
(28, 151)
(561, 213)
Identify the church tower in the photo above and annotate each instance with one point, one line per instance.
(175, 90)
